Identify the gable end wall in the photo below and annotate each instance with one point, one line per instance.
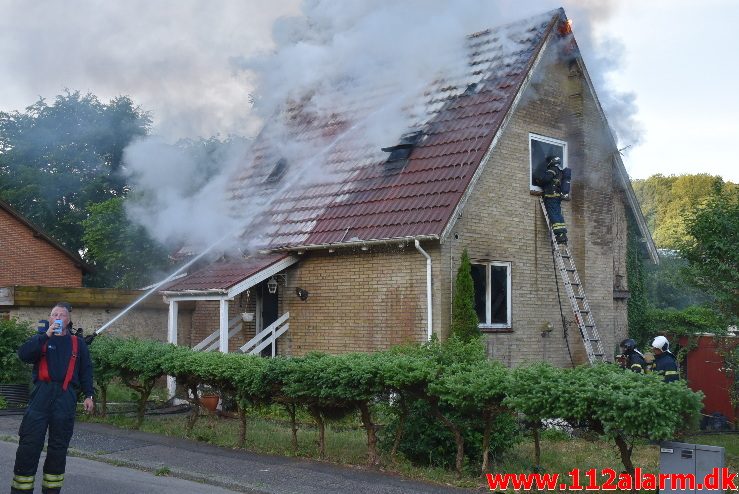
(502, 221)
(29, 260)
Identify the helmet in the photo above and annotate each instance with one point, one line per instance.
(661, 343)
(555, 161)
(628, 345)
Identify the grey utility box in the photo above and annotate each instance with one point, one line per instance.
(695, 459)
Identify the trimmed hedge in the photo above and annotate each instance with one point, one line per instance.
(464, 397)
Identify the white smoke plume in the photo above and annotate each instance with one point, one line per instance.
(323, 57)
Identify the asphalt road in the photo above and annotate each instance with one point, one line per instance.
(191, 462)
(87, 476)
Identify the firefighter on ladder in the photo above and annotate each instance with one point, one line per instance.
(552, 180)
(61, 367)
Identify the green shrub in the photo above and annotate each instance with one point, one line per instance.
(426, 441)
(13, 333)
(3, 403)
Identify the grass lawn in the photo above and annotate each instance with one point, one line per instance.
(268, 433)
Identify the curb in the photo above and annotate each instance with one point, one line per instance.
(172, 472)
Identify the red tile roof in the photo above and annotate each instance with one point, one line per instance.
(221, 276)
(363, 198)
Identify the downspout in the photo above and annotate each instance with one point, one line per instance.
(428, 289)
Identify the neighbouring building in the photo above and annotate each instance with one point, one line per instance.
(367, 258)
(29, 256)
(37, 271)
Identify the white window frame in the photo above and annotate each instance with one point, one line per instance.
(488, 295)
(548, 140)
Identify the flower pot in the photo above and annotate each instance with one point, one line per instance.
(210, 402)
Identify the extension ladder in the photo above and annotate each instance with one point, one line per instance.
(576, 294)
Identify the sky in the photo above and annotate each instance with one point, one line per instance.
(670, 63)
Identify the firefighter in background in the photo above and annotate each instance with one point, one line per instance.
(61, 367)
(631, 358)
(665, 363)
(555, 181)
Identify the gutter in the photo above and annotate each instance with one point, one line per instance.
(430, 328)
(351, 243)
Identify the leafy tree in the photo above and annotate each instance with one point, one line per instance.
(691, 320)
(13, 333)
(664, 200)
(56, 159)
(668, 285)
(623, 406)
(464, 318)
(712, 251)
(123, 253)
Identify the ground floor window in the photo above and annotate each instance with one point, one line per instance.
(492, 282)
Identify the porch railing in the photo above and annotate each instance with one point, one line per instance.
(268, 336)
(212, 341)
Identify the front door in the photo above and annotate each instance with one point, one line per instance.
(269, 313)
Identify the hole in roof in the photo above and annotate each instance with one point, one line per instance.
(277, 172)
(400, 152)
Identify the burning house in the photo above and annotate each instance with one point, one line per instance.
(363, 255)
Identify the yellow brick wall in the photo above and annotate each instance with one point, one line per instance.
(502, 221)
(359, 300)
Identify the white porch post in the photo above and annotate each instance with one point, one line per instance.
(223, 342)
(172, 338)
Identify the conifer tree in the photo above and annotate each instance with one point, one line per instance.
(464, 318)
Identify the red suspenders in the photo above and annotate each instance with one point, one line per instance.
(43, 366)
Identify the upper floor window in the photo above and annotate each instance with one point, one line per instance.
(541, 149)
(492, 282)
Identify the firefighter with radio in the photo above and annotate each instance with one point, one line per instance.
(555, 181)
(665, 363)
(631, 358)
(61, 368)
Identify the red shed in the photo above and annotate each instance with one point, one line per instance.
(706, 372)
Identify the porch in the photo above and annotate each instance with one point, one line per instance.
(258, 279)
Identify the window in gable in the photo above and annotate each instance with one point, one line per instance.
(492, 281)
(542, 148)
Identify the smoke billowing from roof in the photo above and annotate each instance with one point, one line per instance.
(321, 60)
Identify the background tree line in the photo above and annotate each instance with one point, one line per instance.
(62, 166)
(694, 220)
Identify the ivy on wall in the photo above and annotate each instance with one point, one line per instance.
(637, 306)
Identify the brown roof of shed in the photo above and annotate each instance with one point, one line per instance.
(364, 199)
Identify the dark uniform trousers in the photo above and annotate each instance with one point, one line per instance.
(554, 210)
(51, 409)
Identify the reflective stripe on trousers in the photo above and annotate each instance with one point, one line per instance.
(50, 408)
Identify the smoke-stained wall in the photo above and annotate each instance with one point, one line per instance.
(502, 221)
(358, 300)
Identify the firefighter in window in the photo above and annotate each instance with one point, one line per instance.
(61, 369)
(555, 180)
